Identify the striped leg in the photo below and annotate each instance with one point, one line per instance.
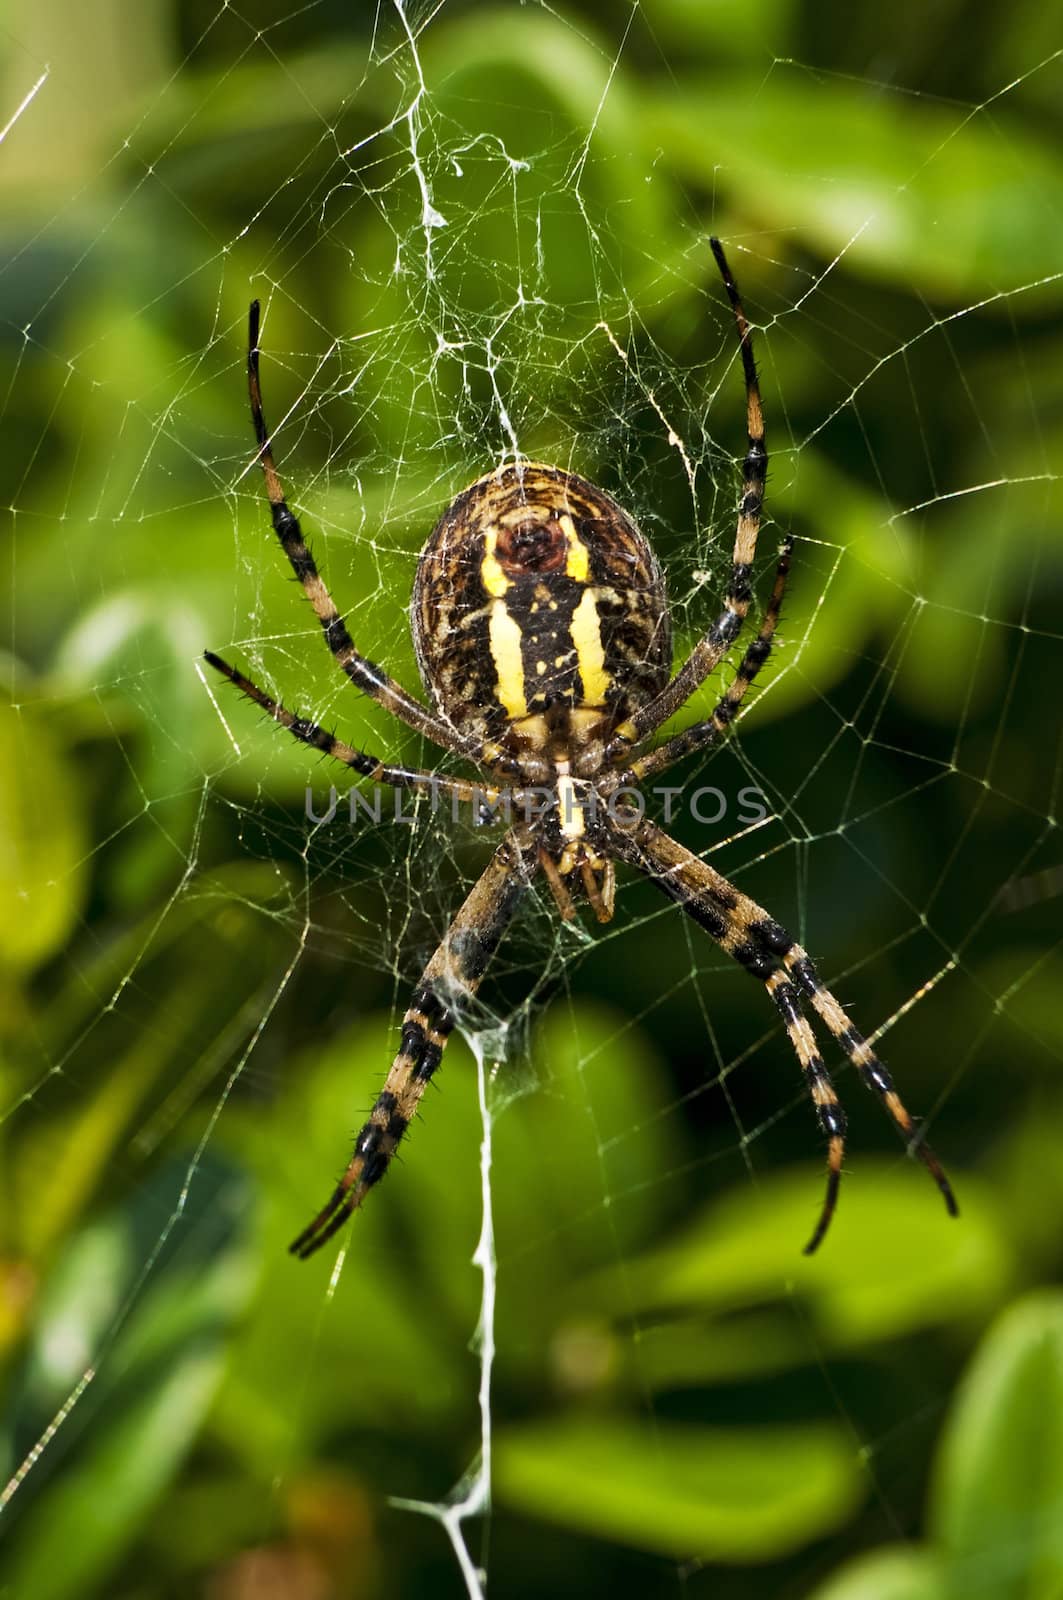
(710, 650)
(829, 1113)
(761, 945)
(874, 1074)
(451, 977)
(360, 761)
(364, 674)
(715, 727)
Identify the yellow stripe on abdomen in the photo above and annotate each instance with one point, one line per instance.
(577, 563)
(494, 579)
(504, 637)
(590, 655)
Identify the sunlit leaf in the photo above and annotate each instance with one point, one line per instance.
(998, 1504)
(948, 203)
(728, 1494)
(893, 1261)
(897, 1574)
(43, 855)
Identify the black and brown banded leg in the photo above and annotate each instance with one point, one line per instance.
(757, 942)
(364, 674)
(710, 650)
(801, 968)
(450, 979)
(754, 470)
(425, 1029)
(360, 761)
(702, 734)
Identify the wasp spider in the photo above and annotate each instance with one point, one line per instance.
(542, 633)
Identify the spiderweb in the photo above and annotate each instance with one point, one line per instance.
(482, 234)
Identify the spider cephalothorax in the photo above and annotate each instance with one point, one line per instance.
(541, 629)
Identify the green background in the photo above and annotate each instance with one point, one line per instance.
(198, 992)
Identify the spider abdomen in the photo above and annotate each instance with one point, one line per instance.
(537, 595)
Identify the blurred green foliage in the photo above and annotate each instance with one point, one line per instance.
(198, 999)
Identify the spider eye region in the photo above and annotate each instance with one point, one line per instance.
(539, 613)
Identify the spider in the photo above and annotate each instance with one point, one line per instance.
(542, 634)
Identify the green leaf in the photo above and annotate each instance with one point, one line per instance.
(45, 845)
(136, 1419)
(743, 29)
(95, 1511)
(726, 1494)
(951, 204)
(212, 950)
(897, 1574)
(998, 1502)
(893, 1261)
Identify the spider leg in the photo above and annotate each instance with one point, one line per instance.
(802, 969)
(602, 899)
(364, 674)
(714, 728)
(709, 651)
(451, 977)
(360, 761)
(566, 906)
(746, 932)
